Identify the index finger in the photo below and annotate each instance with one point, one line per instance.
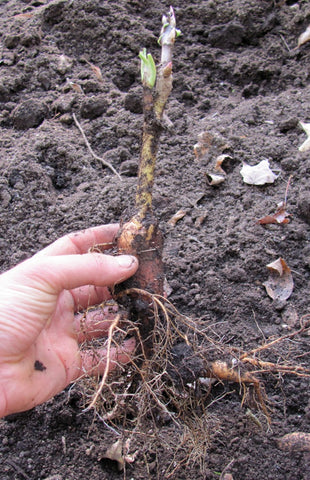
(80, 242)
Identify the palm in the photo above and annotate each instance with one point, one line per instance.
(43, 362)
(39, 327)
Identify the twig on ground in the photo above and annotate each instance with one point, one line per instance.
(285, 42)
(17, 468)
(91, 151)
(267, 346)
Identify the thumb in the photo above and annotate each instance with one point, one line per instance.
(66, 272)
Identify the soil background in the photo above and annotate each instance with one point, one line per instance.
(237, 76)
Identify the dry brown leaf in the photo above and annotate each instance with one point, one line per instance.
(176, 217)
(97, 72)
(220, 161)
(75, 86)
(304, 37)
(280, 284)
(115, 452)
(214, 180)
(295, 441)
(204, 143)
(201, 218)
(280, 216)
(23, 16)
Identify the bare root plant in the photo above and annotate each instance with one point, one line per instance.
(168, 380)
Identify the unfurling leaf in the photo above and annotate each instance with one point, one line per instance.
(295, 442)
(304, 37)
(148, 69)
(279, 217)
(259, 174)
(306, 145)
(168, 32)
(280, 284)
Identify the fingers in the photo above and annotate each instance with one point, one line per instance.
(89, 295)
(94, 323)
(54, 274)
(95, 362)
(82, 241)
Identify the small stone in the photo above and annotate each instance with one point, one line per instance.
(29, 114)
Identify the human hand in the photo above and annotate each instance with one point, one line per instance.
(39, 324)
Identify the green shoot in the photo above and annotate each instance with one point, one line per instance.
(148, 69)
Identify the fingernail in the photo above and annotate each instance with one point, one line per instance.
(126, 261)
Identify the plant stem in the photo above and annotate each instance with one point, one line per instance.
(141, 235)
(154, 102)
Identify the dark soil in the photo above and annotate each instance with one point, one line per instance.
(237, 75)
